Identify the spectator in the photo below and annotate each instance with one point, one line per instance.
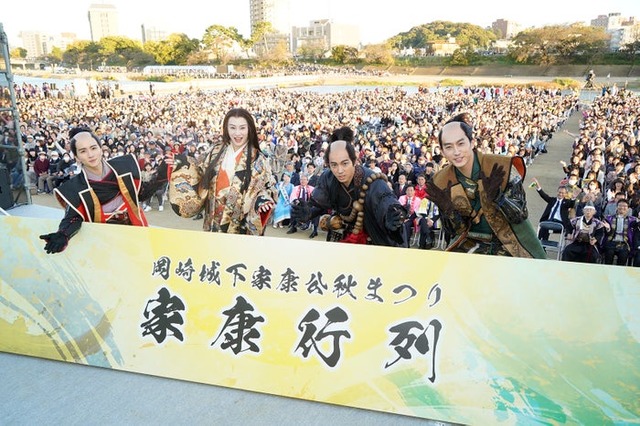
(282, 210)
(620, 235)
(302, 193)
(41, 170)
(586, 237)
(557, 209)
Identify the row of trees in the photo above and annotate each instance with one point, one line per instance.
(542, 46)
(555, 44)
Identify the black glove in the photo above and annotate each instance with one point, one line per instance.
(56, 242)
(491, 184)
(395, 217)
(441, 197)
(300, 211)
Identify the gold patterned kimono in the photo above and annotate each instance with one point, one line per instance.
(226, 208)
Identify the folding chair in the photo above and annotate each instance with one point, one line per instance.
(553, 244)
(441, 242)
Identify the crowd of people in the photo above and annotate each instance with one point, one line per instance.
(395, 134)
(598, 200)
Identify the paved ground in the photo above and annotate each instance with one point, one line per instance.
(36, 391)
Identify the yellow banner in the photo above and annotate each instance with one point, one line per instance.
(445, 336)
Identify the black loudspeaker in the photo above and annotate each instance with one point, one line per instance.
(6, 197)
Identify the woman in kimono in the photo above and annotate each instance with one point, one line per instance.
(233, 182)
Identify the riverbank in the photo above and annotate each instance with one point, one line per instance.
(128, 86)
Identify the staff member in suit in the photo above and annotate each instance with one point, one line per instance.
(557, 209)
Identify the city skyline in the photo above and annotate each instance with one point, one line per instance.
(376, 23)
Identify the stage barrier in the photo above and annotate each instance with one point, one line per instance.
(453, 337)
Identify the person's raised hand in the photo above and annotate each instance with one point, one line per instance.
(491, 184)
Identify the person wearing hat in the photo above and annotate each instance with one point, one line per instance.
(586, 237)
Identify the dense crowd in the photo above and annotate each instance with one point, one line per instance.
(601, 183)
(396, 131)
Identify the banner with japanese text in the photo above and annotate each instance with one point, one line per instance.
(453, 337)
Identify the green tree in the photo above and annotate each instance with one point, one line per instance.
(83, 54)
(464, 57)
(260, 34)
(56, 54)
(160, 51)
(219, 40)
(558, 44)
(343, 54)
(174, 50)
(378, 54)
(312, 50)
(123, 51)
(466, 35)
(18, 52)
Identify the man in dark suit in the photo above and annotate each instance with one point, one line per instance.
(400, 187)
(557, 209)
(313, 177)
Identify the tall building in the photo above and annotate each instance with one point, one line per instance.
(622, 30)
(34, 42)
(608, 22)
(63, 40)
(507, 29)
(103, 21)
(323, 32)
(40, 44)
(150, 33)
(276, 12)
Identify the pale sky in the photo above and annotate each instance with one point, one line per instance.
(376, 23)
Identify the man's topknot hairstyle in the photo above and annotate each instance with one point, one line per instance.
(342, 134)
(465, 124)
(80, 129)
